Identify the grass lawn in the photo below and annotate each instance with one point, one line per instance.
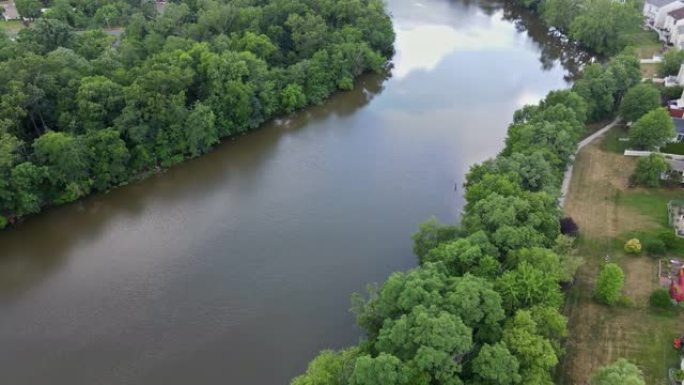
(12, 27)
(608, 212)
(646, 43)
(612, 142)
(648, 70)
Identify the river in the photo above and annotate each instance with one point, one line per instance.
(237, 267)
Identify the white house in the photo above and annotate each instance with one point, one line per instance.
(677, 80)
(672, 21)
(677, 38)
(656, 12)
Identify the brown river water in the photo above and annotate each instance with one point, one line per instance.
(237, 267)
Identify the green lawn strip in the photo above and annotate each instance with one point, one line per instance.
(11, 26)
(612, 142)
(651, 202)
(655, 352)
(645, 43)
(673, 148)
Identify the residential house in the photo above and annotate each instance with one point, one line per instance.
(672, 21)
(677, 80)
(656, 12)
(678, 37)
(679, 127)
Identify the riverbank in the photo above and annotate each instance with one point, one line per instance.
(608, 212)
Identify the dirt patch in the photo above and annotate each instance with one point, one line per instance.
(599, 179)
(641, 278)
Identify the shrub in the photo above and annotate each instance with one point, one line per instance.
(678, 375)
(660, 299)
(654, 246)
(609, 284)
(673, 148)
(649, 170)
(619, 372)
(3, 222)
(668, 237)
(633, 246)
(569, 227)
(670, 93)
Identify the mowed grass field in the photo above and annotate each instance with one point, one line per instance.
(608, 213)
(11, 27)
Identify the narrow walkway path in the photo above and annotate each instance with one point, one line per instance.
(568, 172)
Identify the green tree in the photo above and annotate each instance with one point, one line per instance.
(527, 286)
(201, 132)
(535, 353)
(292, 97)
(652, 130)
(99, 100)
(430, 234)
(474, 254)
(384, 369)
(26, 181)
(609, 284)
(66, 160)
(570, 99)
(639, 100)
(598, 87)
(29, 9)
(672, 61)
(496, 365)
(620, 372)
(561, 13)
(649, 170)
(604, 25)
(108, 158)
(329, 368)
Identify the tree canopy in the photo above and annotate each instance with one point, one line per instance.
(609, 284)
(652, 131)
(639, 100)
(649, 170)
(83, 109)
(620, 372)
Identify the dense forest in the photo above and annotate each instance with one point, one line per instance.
(96, 93)
(483, 306)
(604, 27)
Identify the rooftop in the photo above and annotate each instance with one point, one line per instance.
(677, 14)
(660, 3)
(679, 125)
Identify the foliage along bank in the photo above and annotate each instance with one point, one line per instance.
(604, 27)
(483, 307)
(84, 110)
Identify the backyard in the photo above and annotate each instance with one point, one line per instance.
(608, 213)
(11, 27)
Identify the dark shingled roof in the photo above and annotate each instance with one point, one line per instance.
(660, 3)
(678, 14)
(679, 125)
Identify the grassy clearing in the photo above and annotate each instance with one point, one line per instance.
(11, 27)
(648, 70)
(612, 140)
(608, 212)
(646, 43)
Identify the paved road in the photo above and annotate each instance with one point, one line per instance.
(568, 172)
